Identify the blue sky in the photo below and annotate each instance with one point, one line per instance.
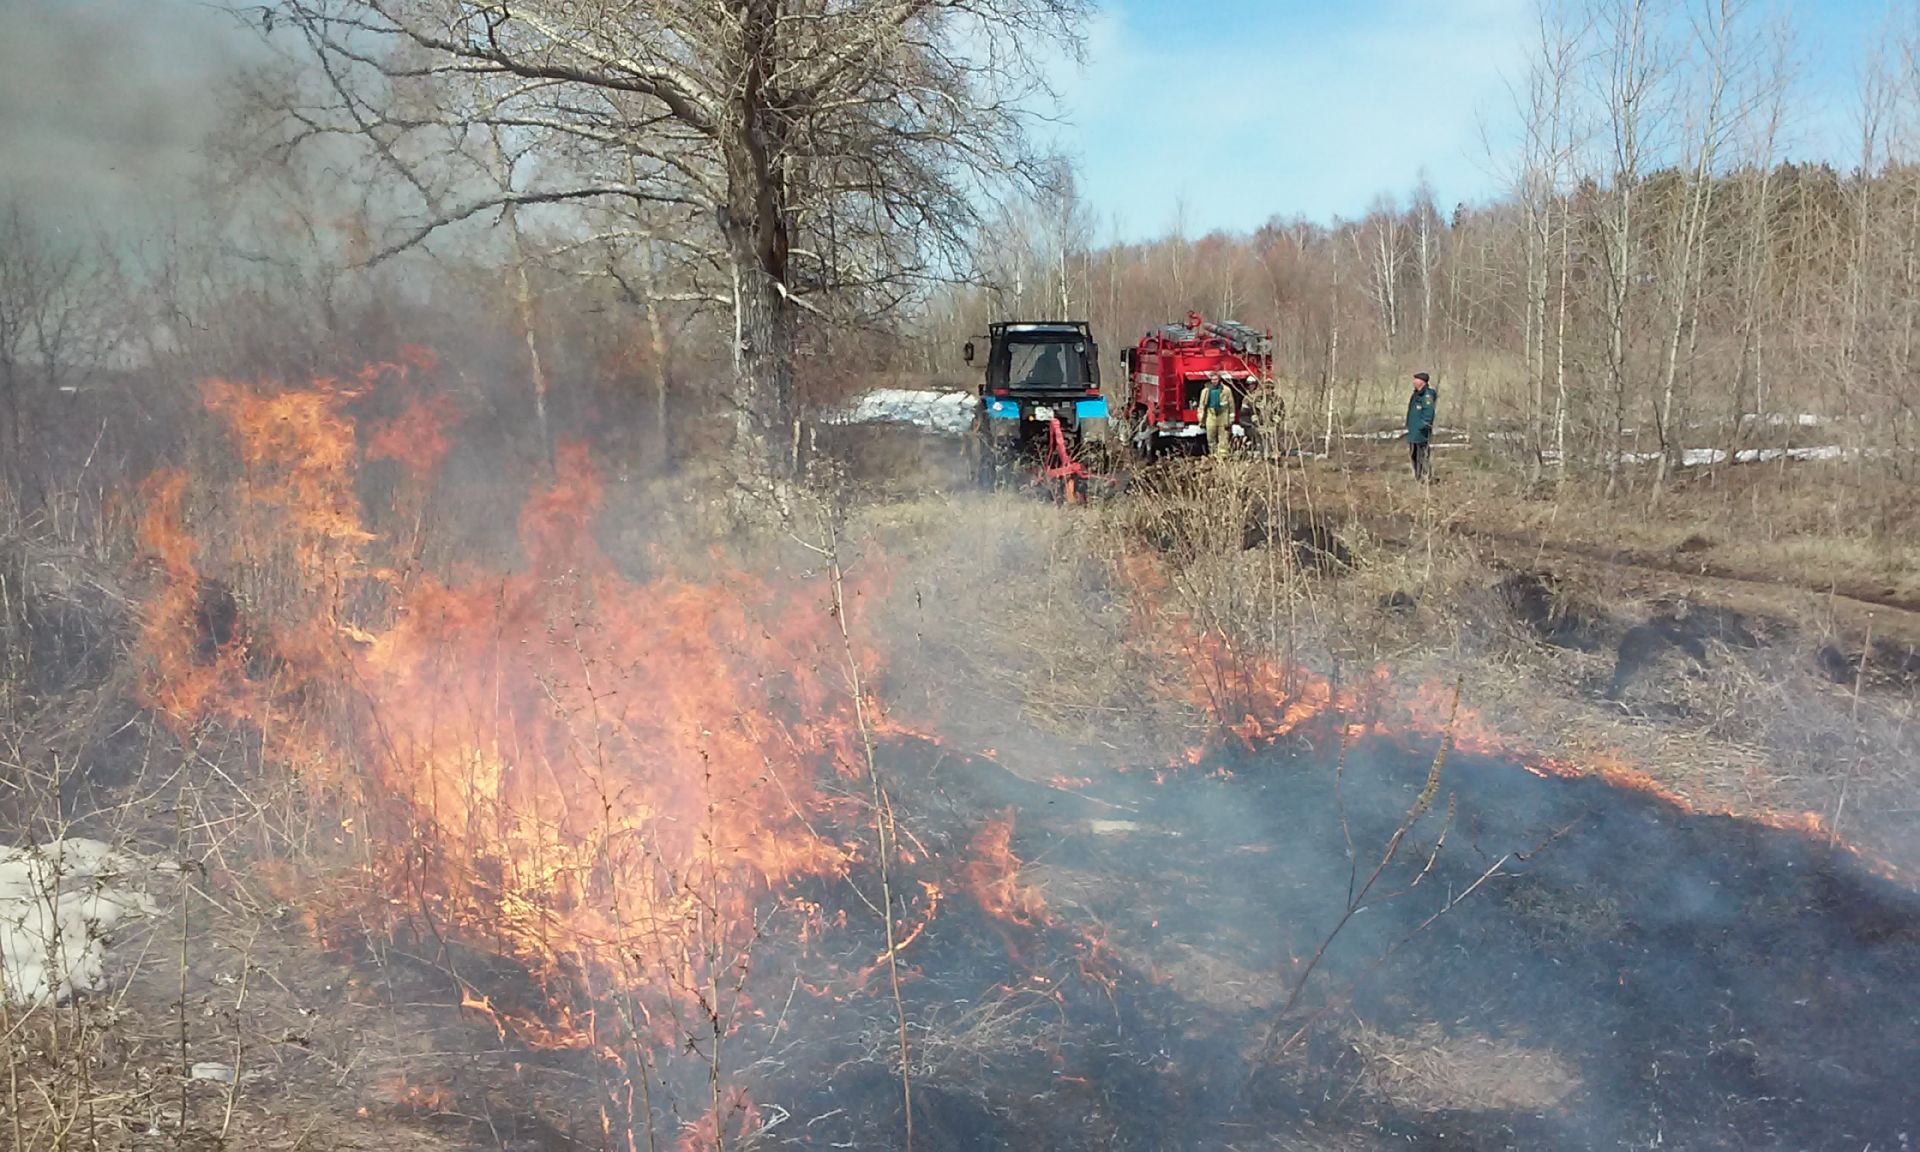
(1228, 112)
(1238, 110)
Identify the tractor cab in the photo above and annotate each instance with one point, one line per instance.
(1040, 376)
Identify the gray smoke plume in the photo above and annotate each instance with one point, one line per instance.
(105, 104)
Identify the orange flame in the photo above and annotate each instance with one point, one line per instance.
(1253, 700)
(416, 438)
(992, 875)
(733, 1118)
(588, 770)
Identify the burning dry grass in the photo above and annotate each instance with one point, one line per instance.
(562, 742)
(613, 781)
(1434, 1070)
(1078, 640)
(553, 819)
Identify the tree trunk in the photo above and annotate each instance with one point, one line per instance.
(1536, 327)
(755, 226)
(762, 367)
(659, 448)
(523, 305)
(1560, 348)
(1426, 284)
(523, 301)
(12, 469)
(1333, 362)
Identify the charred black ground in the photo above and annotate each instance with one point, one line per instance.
(1626, 974)
(1632, 975)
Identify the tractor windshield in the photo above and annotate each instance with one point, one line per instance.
(1051, 364)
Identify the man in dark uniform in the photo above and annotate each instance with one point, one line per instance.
(1420, 408)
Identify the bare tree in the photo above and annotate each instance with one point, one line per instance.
(1427, 227)
(1716, 114)
(814, 149)
(1755, 263)
(1384, 252)
(53, 325)
(1548, 144)
(1633, 69)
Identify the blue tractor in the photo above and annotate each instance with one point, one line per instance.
(1040, 401)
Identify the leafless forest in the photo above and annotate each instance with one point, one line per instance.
(1660, 275)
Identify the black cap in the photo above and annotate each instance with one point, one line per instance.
(1421, 376)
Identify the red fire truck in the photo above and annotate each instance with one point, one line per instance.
(1172, 364)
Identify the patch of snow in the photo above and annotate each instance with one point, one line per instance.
(1699, 457)
(1390, 434)
(948, 412)
(59, 905)
(1821, 452)
(1783, 419)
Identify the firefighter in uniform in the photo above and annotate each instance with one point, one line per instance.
(1420, 407)
(1263, 412)
(1216, 414)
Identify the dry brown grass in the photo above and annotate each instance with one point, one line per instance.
(1434, 1070)
(1745, 731)
(1004, 616)
(1818, 527)
(960, 1048)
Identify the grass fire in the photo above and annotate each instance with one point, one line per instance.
(580, 577)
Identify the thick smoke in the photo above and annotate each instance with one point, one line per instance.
(107, 103)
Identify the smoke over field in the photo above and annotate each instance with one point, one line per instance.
(633, 843)
(514, 635)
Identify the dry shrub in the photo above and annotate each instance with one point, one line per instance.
(960, 1049)
(1436, 1071)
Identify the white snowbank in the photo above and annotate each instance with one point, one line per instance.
(59, 905)
(1697, 457)
(1784, 419)
(1823, 452)
(950, 412)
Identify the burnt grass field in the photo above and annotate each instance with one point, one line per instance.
(1199, 957)
(1625, 975)
(1629, 976)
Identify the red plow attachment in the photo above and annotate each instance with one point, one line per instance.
(1063, 473)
